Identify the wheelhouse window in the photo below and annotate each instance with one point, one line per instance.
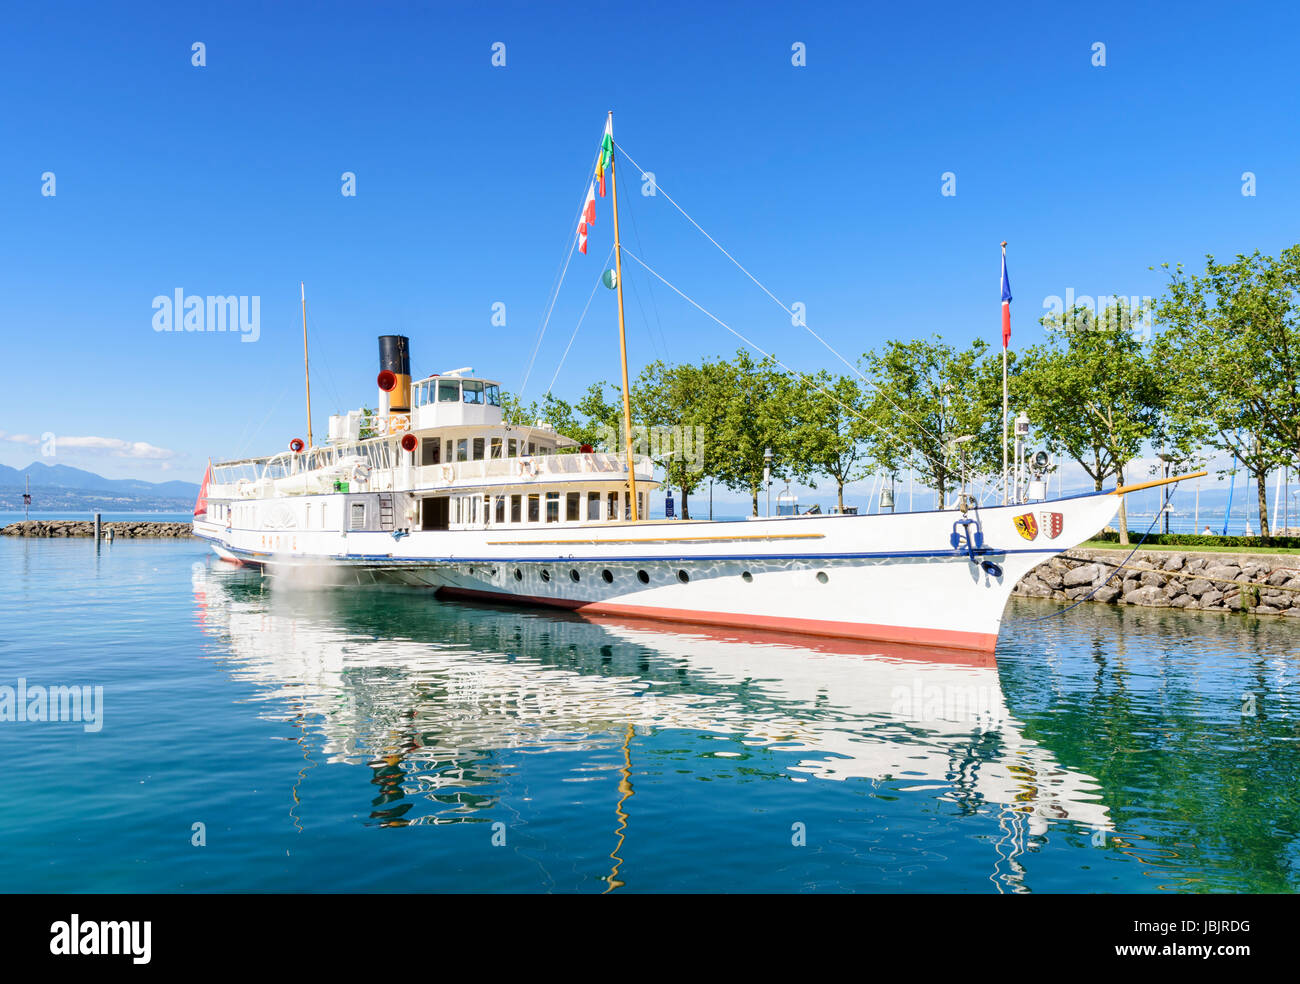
(534, 509)
(573, 507)
(478, 449)
(593, 506)
(515, 510)
(473, 391)
(500, 516)
(450, 452)
(462, 450)
(510, 448)
(448, 391)
(493, 395)
(552, 507)
(612, 506)
(496, 447)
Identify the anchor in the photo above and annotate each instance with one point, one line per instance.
(973, 542)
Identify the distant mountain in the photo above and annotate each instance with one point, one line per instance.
(65, 487)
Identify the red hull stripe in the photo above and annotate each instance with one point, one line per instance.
(979, 641)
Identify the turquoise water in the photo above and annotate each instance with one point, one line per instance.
(378, 741)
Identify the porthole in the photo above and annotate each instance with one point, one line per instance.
(607, 576)
(546, 575)
(519, 575)
(574, 576)
(643, 577)
(683, 576)
(821, 577)
(747, 577)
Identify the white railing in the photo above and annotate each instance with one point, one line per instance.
(285, 476)
(531, 469)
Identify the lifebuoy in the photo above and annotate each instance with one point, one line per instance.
(526, 467)
(296, 445)
(360, 471)
(448, 472)
(410, 442)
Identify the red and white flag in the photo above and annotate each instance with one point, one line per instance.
(1006, 300)
(589, 208)
(582, 237)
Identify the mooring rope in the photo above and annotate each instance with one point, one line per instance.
(1088, 597)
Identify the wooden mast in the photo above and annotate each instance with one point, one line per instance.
(305, 369)
(622, 339)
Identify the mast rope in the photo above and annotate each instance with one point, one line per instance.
(579, 324)
(559, 282)
(799, 320)
(767, 355)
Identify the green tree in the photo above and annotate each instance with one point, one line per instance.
(1230, 348)
(1092, 391)
(929, 396)
(832, 432)
(752, 410)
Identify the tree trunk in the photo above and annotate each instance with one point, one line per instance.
(1123, 509)
(754, 492)
(840, 496)
(1261, 486)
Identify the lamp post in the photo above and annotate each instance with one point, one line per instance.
(767, 479)
(1164, 508)
(1022, 435)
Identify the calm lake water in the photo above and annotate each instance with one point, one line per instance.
(382, 740)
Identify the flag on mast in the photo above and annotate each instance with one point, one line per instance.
(1006, 300)
(588, 217)
(606, 154)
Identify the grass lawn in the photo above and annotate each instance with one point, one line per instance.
(1103, 545)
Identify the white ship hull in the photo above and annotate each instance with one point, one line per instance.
(893, 578)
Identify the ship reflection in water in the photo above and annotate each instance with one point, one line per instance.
(433, 697)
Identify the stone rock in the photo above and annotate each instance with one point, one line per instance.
(1182, 601)
(1148, 597)
(1080, 591)
(1210, 598)
(1032, 587)
(1175, 588)
(1228, 572)
(1106, 594)
(1086, 574)
(1051, 578)
(1198, 586)
(1174, 563)
(1278, 578)
(1151, 579)
(1266, 610)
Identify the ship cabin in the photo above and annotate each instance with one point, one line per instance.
(439, 456)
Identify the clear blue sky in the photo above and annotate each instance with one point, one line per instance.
(823, 179)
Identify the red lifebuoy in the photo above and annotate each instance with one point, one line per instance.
(409, 442)
(296, 445)
(387, 380)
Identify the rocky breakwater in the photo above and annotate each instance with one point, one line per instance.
(126, 529)
(1264, 584)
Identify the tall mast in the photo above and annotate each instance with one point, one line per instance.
(306, 370)
(622, 339)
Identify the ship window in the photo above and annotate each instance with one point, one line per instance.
(306, 522)
(501, 509)
(478, 449)
(473, 509)
(450, 456)
(574, 576)
(358, 520)
(519, 575)
(607, 577)
(493, 395)
(552, 507)
(611, 511)
(683, 576)
(747, 577)
(573, 507)
(643, 577)
(429, 452)
(462, 449)
(515, 514)
(473, 390)
(448, 391)
(640, 505)
(496, 447)
(593, 506)
(419, 394)
(534, 508)
(822, 577)
(510, 449)
(532, 448)
(546, 575)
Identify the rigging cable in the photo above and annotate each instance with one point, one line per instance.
(801, 321)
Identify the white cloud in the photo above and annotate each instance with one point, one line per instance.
(115, 446)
